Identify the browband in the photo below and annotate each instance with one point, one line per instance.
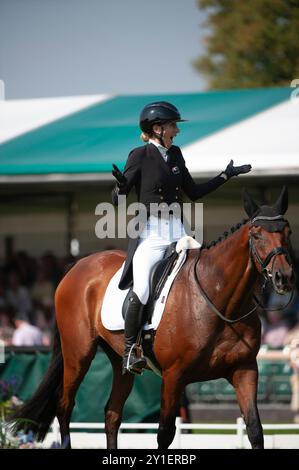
(264, 217)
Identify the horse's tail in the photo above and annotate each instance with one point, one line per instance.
(38, 413)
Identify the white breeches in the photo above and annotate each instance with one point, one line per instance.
(154, 240)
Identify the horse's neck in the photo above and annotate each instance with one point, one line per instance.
(231, 270)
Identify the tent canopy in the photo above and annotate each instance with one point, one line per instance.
(86, 138)
(267, 140)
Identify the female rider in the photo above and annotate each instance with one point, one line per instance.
(159, 174)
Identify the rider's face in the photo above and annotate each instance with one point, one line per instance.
(170, 130)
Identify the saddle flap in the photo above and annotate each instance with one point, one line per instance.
(161, 270)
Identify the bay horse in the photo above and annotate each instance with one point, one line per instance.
(201, 335)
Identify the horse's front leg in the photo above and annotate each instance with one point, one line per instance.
(170, 401)
(245, 381)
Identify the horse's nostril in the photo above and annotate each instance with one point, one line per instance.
(278, 277)
(292, 278)
(284, 280)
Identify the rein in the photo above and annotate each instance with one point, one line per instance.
(210, 303)
(267, 274)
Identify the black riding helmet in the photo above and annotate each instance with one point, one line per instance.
(158, 113)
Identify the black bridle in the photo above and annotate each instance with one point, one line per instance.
(263, 264)
(277, 251)
(280, 250)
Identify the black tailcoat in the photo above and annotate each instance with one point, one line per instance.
(159, 182)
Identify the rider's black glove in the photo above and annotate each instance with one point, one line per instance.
(232, 170)
(119, 176)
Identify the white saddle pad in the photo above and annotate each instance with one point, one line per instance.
(111, 312)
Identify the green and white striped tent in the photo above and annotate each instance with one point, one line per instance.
(78, 138)
(56, 156)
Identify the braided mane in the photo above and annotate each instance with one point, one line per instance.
(225, 235)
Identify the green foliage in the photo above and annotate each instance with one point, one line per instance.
(7, 406)
(250, 43)
(9, 403)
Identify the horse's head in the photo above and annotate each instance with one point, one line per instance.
(269, 241)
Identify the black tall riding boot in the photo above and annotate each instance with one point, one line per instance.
(133, 323)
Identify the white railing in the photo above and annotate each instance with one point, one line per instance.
(235, 438)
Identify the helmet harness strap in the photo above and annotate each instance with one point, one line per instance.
(160, 136)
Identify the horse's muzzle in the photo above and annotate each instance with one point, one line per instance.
(283, 280)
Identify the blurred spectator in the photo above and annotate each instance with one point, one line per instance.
(25, 267)
(276, 330)
(26, 334)
(45, 326)
(6, 327)
(51, 268)
(18, 296)
(22, 264)
(27, 287)
(42, 294)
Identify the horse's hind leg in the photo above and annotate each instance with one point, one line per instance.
(76, 362)
(245, 382)
(121, 388)
(170, 401)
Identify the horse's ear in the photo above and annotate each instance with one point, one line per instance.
(249, 205)
(281, 205)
